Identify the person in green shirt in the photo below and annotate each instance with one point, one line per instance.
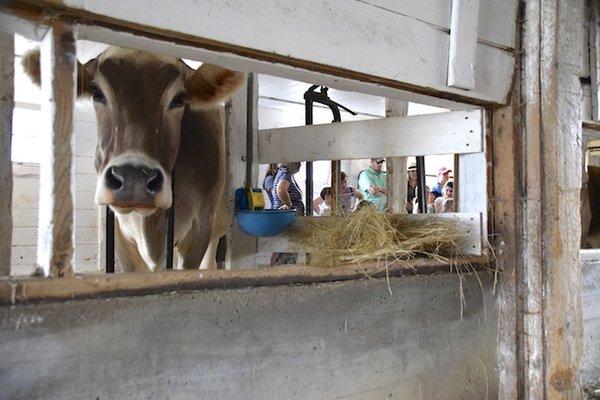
(371, 183)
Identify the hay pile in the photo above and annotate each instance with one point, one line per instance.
(368, 235)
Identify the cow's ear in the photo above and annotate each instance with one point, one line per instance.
(31, 64)
(211, 84)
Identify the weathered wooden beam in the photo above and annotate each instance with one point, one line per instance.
(594, 57)
(469, 225)
(7, 49)
(561, 37)
(506, 181)
(464, 28)
(455, 132)
(22, 291)
(56, 212)
(241, 116)
(551, 137)
(396, 186)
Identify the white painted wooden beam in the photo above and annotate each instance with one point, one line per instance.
(462, 59)
(241, 116)
(396, 185)
(472, 185)
(469, 224)
(332, 42)
(7, 49)
(59, 74)
(445, 133)
(241, 63)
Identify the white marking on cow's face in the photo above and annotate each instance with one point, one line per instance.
(161, 199)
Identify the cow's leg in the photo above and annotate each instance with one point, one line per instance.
(209, 261)
(127, 253)
(219, 230)
(195, 244)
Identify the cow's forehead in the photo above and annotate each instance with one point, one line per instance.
(128, 67)
(137, 57)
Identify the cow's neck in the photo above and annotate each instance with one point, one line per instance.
(148, 234)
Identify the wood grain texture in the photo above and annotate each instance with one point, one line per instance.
(396, 186)
(561, 41)
(594, 57)
(6, 179)
(241, 120)
(551, 133)
(28, 290)
(456, 132)
(59, 68)
(505, 187)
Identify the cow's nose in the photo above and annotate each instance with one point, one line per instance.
(132, 183)
(113, 179)
(155, 181)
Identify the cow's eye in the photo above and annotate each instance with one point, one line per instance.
(178, 101)
(97, 94)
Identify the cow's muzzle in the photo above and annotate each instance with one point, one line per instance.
(133, 187)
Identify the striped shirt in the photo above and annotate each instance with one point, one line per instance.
(293, 191)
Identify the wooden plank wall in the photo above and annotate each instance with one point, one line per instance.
(26, 199)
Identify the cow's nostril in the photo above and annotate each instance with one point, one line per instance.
(113, 180)
(155, 182)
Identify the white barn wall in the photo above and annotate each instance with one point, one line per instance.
(25, 201)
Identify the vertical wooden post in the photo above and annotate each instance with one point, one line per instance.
(7, 49)
(396, 184)
(506, 178)
(551, 182)
(241, 128)
(59, 74)
(594, 54)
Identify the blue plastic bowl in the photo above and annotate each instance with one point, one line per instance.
(264, 223)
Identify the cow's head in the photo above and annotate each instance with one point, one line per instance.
(140, 99)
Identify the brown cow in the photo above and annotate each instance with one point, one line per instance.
(156, 114)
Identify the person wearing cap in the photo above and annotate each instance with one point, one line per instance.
(411, 189)
(444, 203)
(436, 191)
(371, 183)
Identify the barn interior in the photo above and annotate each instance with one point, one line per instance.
(503, 94)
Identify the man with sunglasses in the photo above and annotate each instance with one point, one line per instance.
(371, 183)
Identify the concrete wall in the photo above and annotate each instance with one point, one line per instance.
(349, 340)
(590, 273)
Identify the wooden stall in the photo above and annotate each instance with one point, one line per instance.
(504, 322)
